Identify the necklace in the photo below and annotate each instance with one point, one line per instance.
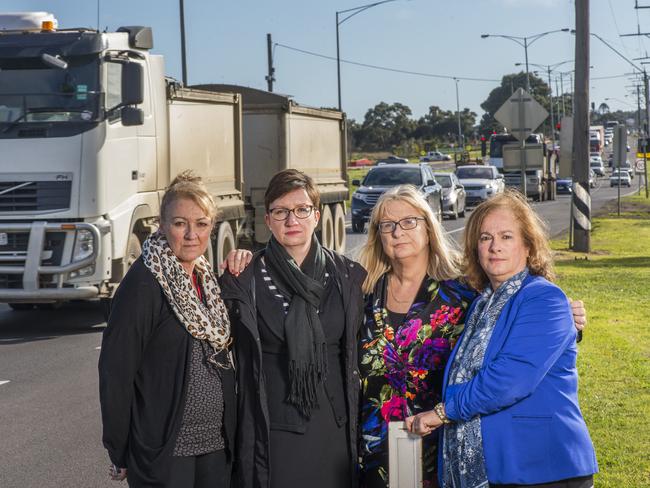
(392, 293)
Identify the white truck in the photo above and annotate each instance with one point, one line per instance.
(91, 133)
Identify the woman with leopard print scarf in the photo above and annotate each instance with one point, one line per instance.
(166, 378)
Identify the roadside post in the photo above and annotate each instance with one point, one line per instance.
(521, 114)
(620, 155)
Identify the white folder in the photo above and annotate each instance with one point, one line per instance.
(404, 457)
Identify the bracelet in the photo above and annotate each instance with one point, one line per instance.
(440, 412)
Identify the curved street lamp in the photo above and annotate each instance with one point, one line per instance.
(352, 12)
(525, 42)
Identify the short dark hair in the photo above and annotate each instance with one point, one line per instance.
(287, 181)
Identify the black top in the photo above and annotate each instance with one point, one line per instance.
(271, 312)
(142, 379)
(253, 428)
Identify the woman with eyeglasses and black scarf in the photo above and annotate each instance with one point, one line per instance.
(295, 313)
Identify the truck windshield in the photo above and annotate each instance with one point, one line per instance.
(444, 180)
(31, 91)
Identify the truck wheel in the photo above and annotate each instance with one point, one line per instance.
(20, 307)
(327, 228)
(339, 229)
(358, 226)
(225, 243)
(133, 251)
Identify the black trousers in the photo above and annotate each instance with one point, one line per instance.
(210, 470)
(581, 482)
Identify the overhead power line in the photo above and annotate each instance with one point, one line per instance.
(385, 68)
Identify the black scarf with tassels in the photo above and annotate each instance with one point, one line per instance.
(306, 345)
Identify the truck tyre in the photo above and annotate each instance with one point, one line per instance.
(225, 243)
(327, 228)
(358, 226)
(133, 252)
(20, 307)
(339, 229)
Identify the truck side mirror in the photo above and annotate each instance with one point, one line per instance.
(431, 182)
(132, 116)
(356, 183)
(132, 84)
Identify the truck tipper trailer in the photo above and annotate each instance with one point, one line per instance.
(279, 133)
(91, 133)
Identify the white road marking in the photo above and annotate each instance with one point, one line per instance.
(10, 339)
(455, 230)
(4, 382)
(98, 348)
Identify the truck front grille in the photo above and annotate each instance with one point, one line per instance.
(17, 247)
(34, 196)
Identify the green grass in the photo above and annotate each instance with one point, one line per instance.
(614, 360)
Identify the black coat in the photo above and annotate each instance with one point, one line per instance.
(142, 380)
(252, 454)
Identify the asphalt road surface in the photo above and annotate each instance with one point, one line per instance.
(50, 427)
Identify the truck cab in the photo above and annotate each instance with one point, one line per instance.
(87, 147)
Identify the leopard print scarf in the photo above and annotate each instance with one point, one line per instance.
(207, 321)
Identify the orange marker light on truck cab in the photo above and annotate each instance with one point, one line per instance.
(47, 25)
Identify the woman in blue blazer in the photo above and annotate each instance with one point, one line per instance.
(510, 410)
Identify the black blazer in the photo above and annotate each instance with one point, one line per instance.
(252, 454)
(142, 385)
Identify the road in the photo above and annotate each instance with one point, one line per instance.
(49, 410)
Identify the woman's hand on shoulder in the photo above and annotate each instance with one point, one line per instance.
(236, 261)
(423, 423)
(579, 313)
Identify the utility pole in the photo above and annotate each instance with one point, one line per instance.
(460, 133)
(550, 91)
(645, 132)
(183, 56)
(581, 199)
(270, 78)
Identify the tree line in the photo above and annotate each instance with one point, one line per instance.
(391, 127)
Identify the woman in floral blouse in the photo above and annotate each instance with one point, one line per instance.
(415, 311)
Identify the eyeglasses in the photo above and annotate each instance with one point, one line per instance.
(407, 223)
(301, 212)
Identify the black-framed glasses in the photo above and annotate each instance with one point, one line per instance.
(407, 223)
(301, 212)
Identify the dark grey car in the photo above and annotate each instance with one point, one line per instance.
(381, 178)
(453, 195)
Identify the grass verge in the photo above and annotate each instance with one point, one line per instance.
(614, 360)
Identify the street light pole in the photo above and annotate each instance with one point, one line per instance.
(525, 42)
(352, 12)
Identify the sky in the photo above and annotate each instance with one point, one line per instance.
(226, 43)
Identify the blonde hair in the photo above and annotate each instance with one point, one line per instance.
(444, 258)
(188, 185)
(533, 232)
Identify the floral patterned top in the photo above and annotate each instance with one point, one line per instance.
(402, 367)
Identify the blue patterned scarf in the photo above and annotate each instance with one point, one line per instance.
(463, 461)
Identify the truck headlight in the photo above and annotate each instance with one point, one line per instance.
(84, 245)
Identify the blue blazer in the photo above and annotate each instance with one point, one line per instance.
(527, 392)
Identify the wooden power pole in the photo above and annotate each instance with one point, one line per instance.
(581, 198)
